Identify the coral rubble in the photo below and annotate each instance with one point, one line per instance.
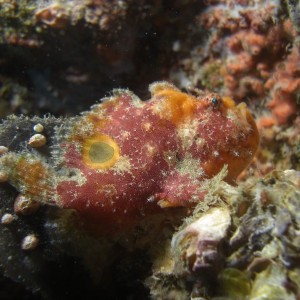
(251, 252)
(252, 52)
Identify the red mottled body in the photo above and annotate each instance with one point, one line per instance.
(126, 158)
(126, 189)
(168, 146)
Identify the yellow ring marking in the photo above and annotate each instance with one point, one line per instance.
(100, 152)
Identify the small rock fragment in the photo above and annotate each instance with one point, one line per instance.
(3, 150)
(38, 128)
(30, 242)
(54, 16)
(25, 206)
(3, 177)
(201, 239)
(37, 140)
(7, 219)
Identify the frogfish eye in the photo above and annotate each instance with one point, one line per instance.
(215, 101)
(100, 152)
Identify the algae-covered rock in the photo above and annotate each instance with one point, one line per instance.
(256, 253)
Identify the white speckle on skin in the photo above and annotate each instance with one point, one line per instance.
(150, 199)
(236, 153)
(201, 172)
(216, 153)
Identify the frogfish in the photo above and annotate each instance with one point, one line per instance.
(127, 158)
